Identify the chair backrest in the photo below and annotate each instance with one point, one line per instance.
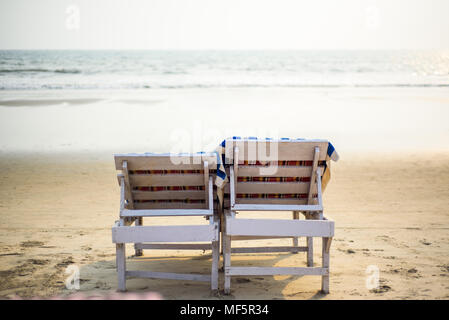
(166, 181)
(275, 171)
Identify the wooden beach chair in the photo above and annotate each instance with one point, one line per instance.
(166, 185)
(276, 175)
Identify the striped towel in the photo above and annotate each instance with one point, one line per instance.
(222, 177)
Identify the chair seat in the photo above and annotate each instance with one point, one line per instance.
(184, 233)
(278, 227)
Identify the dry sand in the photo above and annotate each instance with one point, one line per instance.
(391, 211)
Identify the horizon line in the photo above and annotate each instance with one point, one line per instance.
(222, 49)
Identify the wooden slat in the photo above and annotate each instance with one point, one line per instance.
(174, 246)
(261, 271)
(319, 189)
(273, 187)
(122, 193)
(185, 233)
(145, 180)
(312, 185)
(168, 275)
(272, 227)
(168, 205)
(276, 207)
(278, 171)
(165, 161)
(165, 213)
(206, 182)
(211, 194)
(232, 184)
(282, 150)
(175, 206)
(235, 166)
(268, 249)
(129, 195)
(169, 195)
(119, 177)
(271, 201)
(245, 238)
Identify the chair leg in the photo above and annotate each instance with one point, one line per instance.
(223, 251)
(310, 251)
(222, 243)
(138, 252)
(222, 226)
(227, 263)
(121, 266)
(325, 258)
(295, 240)
(309, 247)
(215, 262)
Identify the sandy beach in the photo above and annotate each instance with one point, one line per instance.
(81, 81)
(388, 193)
(390, 211)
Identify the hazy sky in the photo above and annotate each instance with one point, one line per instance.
(224, 24)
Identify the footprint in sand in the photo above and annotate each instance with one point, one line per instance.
(425, 242)
(11, 254)
(413, 272)
(381, 289)
(444, 267)
(103, 285)
(65, 262)
(40, 262)
(354, 293)
(21, 270)
(30, 244)
(366, 252)
(103, 255)
(348, 251)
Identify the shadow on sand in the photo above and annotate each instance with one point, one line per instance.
(101, 277)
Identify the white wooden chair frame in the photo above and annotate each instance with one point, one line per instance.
(159, 237)
(316, 225)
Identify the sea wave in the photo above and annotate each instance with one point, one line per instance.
(34, 70)
(52, 70)
(220, 86)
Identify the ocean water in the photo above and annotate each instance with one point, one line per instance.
(42, 70)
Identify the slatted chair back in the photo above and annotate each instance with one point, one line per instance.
(166, 181)
(281, 172)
